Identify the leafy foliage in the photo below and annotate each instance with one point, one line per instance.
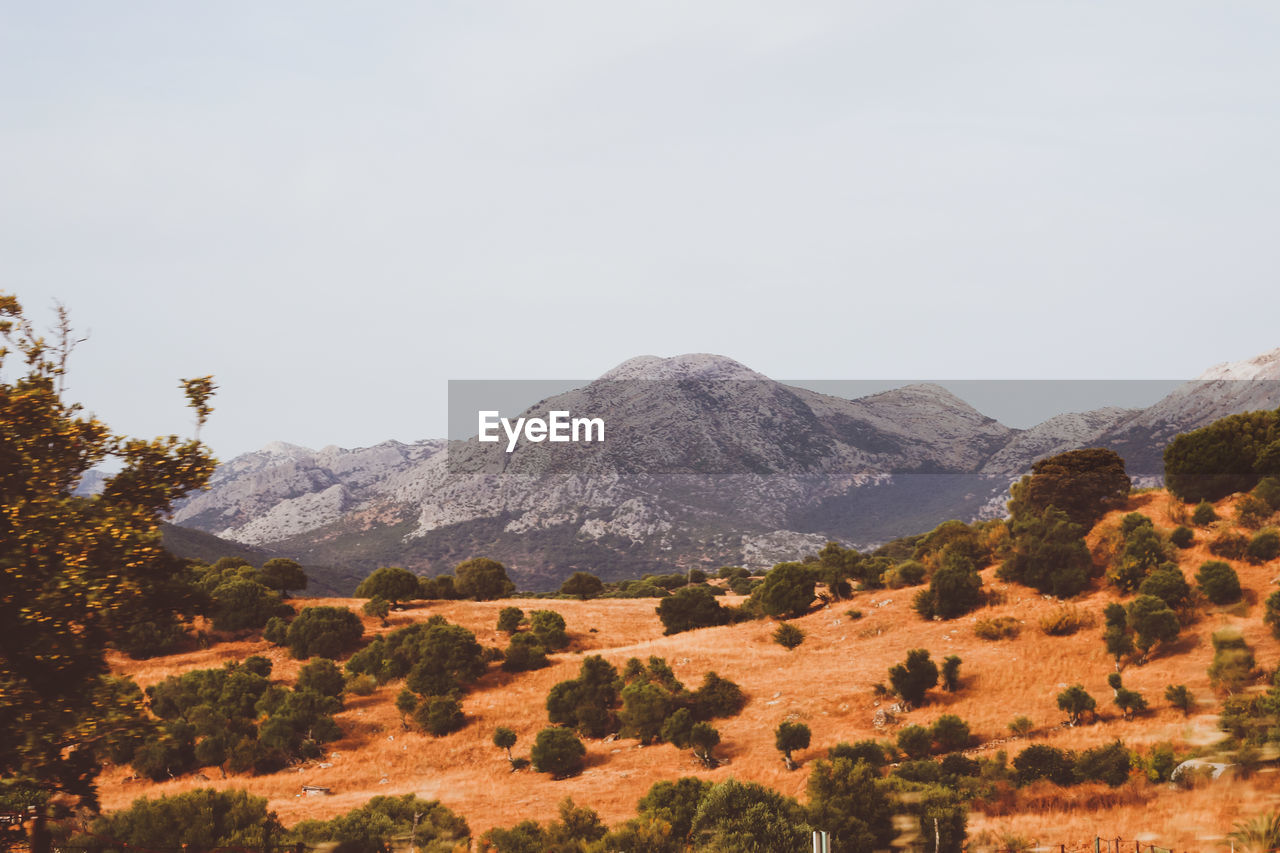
(201, 820)
(582, 585)
(788, 636)
(435, 657)
(1229, 455)
(371, 828)
(78, 574)
(1168, 584)
(1264, 546)
(1049, 553)
(1219, 582)
(391, 583)
(559, 752)
(509, 619)
(482, 579)
(691, 607)
(234, 718)
(748, 818)
(1076, 701)
(787, 591)
(912, 678)
(324, 631)
(789, 737)
(1083, 484)
(847, 799)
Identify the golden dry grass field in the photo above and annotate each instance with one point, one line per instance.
(826, 683)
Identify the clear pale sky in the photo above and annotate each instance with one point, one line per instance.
(335, 208)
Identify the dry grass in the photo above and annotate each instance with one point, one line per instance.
(826, 683)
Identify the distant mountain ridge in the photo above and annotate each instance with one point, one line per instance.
(707, 463)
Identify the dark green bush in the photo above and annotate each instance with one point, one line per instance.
(200, 820)
(788, 636)
(787, 591)
(689, 608)
(559, 752)
(1182, 537)
(1264, 547)
(1044, 762)
(327, 632)
(1204, 514)
(1219, 582)
(391, 583)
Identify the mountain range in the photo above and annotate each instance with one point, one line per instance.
(707, 463)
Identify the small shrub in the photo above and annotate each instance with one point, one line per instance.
(1204, 514)
(1233, 660)
(1168, 584)
(1268, 491)
(915, 741)
(1179, 696)
(1065, 621)
(1182, 537)
(951, 673)
(1219, 582)
(509, 619)
(1076, 702)
(361, 685)
(1021, 726)
(440, 715)
(950, 733)
(909, 573)
(1229, 545)
(854, 615)
(1110, 764)
(1044, 762)
(788, 636)
(559, 752)
(1272, 613)
(997, 628)
(378, 607)
(1264, 547)
(1252, 512)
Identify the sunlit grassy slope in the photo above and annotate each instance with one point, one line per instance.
(827, 683)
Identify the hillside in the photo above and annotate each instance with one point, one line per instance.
(826, 683)
(707, 463)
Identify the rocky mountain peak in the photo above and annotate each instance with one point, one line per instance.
(699, 365)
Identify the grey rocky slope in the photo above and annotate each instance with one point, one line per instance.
(707, 463)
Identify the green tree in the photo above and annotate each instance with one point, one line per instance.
(505, 738)
(749, 818)
(582, 585)
(787, 591)
(915, 741)
(1168, 584)
(1076, 702)
(789, 737)
(1152, 622)
(559, 752)
(704, 738)
(1041, 761)
(509, 619)
(1109, 763)
(1264, 546)
(1116, 634)
(523, 654)
(377, 607)
(240, 603)
(283, 574)
(440, 715)
(951, 673)
(78, 574)
(323, 631)
(691, 607)
(955, 588)
(1085, 484)
(950, 733)
(375, 826)
(392, 583)
(912, 678)
(1229, 455)
(199, 820)
(847, 800)
(587, 702)
(675, 802)
(1049, 553)
(482, 579)
(548, 627)
(645, 708)
(321, 676)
